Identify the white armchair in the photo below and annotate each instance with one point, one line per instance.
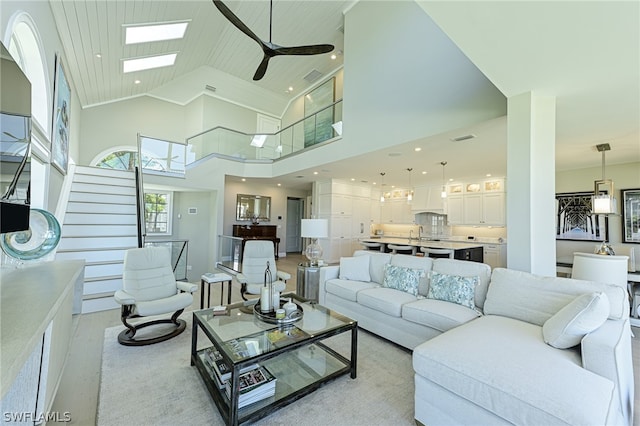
(255, 256)
(150, 288)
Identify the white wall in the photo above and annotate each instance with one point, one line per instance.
(394, 86)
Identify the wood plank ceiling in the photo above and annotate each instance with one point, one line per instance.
(96, 27)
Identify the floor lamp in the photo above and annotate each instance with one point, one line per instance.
(314, 229)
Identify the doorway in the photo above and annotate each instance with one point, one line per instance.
(295, 212)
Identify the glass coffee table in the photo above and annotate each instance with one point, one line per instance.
(240, 350)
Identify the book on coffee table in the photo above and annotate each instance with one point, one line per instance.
(255, 385)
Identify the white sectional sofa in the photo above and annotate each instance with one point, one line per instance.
(533, 350)
(396, 315)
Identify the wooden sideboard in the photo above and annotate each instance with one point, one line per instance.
(257, 232)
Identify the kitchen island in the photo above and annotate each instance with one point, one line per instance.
(462, 250)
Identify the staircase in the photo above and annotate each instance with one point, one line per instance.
(99, 226)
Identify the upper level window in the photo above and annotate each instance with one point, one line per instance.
(127, 160)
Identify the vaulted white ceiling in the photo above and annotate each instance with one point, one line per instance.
(586, 54)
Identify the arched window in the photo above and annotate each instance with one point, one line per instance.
(25, 46)
(127, 160)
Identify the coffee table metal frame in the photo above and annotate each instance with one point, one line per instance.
(205, 321)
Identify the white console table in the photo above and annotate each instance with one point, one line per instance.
(37, 303)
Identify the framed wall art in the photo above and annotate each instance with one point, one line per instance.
(575, 219)
(61, 114)
(631, 215)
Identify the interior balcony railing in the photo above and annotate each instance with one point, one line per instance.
(158, 156)
(229, 253)
(323, 126)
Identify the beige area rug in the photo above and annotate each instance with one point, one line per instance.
(155, 385)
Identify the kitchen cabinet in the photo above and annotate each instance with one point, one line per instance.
(495, 255)
(476, 203)
(455, 212)
(348, 209)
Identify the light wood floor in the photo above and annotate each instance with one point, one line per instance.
(80, 383)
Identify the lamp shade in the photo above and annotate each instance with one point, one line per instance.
(315, 228)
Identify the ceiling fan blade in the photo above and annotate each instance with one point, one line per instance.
(235, 20)
(262, 68)
(315, 49)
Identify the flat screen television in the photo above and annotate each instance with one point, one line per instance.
(15, 144)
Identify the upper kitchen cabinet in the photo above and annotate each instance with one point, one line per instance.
(477, 203)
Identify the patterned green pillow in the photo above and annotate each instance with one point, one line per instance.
(401, 278)
(453, 288)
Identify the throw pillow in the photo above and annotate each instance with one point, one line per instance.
(453, 288)
(401, 278)
(570, 324)
(355, 268)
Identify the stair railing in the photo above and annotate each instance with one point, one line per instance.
(140, 212)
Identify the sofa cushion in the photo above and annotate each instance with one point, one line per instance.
(503, 365)
(467, 269)
(347, 289)
(403, 279)
(355, 268)
(580, 317)
(535, 299)
(416, 262)
(377, 261)
(453, 288)
(385, 300)
(438, 314)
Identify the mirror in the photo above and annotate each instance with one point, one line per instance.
(253, 207)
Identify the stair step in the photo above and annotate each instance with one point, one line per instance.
(101, 287)
(104, 180)
(92, 256)
(103, 270)
(89, 197)
(100, 219)
(93, 243)
(98, 188)
(98, 231)
(82, 207)
(101, 171)
(99, 304)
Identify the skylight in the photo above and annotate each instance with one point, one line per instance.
(154, 32)
(139, 64)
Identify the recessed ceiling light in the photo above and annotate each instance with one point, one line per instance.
(353, 180)
(450, 179)
(315, 173)
(98, 55)
(291, 88)
(136, 82)
(154, 32)
(279, 184)
(243, 179)
(424, 172)
(334, 56)
(417, 149)
(488, 175)
(139, 64)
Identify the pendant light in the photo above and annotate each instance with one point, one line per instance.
(443, 194)
(603, 203)
(410, 193)
(381, 187)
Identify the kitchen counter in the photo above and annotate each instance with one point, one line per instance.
(454, 245)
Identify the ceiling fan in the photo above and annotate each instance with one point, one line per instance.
(270, 49)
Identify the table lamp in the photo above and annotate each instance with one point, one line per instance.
(314, 229)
